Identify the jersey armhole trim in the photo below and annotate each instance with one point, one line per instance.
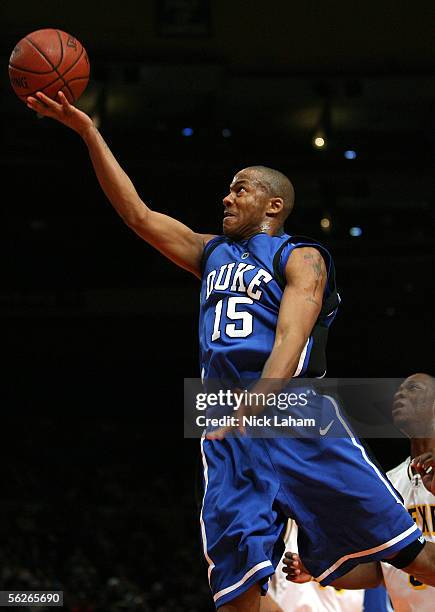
(300, 242)
(208, 250)
(333, 300)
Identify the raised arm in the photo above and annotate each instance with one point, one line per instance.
(173, 239)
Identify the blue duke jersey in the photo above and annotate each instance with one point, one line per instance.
(253, 484)
(242, 286)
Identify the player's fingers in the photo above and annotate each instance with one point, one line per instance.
(421, 458)
(424, 466)
(427, 465)
(32, 102)
(48, 102)
(64, 101)
(290, 562)
(287, 569)
(38, 107)
(218, 434)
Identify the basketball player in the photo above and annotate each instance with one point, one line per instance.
(414, 414)
(267, 300)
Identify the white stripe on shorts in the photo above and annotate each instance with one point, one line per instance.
(363, 450)
(385, 545)
(368, 551)
(203, 534)
(248, 574)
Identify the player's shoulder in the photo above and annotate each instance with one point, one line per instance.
(208, 238)
(400, 471)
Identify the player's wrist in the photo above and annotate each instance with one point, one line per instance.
(87, 131)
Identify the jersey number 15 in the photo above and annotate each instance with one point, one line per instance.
(231, 329)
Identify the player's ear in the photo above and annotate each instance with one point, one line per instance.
(275, 206)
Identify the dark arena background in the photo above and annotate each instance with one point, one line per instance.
(100, 491)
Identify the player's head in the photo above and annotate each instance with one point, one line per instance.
(413, 407)
(259, 200)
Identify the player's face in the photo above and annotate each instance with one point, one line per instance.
(413, 405)
(245, 206)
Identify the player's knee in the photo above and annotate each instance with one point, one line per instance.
(408, 555)
(424, 562)
(249, 601)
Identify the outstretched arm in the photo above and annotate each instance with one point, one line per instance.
(173, 239)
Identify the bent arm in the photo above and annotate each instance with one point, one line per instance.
(173, 239)
(300, 306)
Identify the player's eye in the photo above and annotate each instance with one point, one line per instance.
(241, 190)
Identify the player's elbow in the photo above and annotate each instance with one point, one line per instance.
(136, 217)
(291, 338)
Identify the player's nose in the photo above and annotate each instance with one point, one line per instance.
(399, 394)
(227, 201)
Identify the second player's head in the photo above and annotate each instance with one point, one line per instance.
(259, 200)
(414, 406)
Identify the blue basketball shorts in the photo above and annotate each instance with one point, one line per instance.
(346, 509)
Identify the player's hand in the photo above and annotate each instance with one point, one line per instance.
(62, 111)
(294, 568)
(223, 432)
(425, 466)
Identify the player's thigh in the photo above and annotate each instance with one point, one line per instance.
(249, 601)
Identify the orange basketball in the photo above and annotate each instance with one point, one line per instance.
(49, 61)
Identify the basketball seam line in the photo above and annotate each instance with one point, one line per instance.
(42, 54)
(32, 93)
(15, 67)
(26, 95)
(84, 78)
(51, 64)
(73, 64)
(61, 46)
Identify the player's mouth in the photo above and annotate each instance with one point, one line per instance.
(397, 405)
(227, 214)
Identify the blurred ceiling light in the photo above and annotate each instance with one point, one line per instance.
(350, 154)
(319, 142)
(187, 131)
(355, 231)
(325, 223)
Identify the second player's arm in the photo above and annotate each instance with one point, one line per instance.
(173, 239)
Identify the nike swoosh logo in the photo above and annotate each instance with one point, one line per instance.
(324, 431)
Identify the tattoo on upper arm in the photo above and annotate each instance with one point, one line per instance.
(317, 265)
